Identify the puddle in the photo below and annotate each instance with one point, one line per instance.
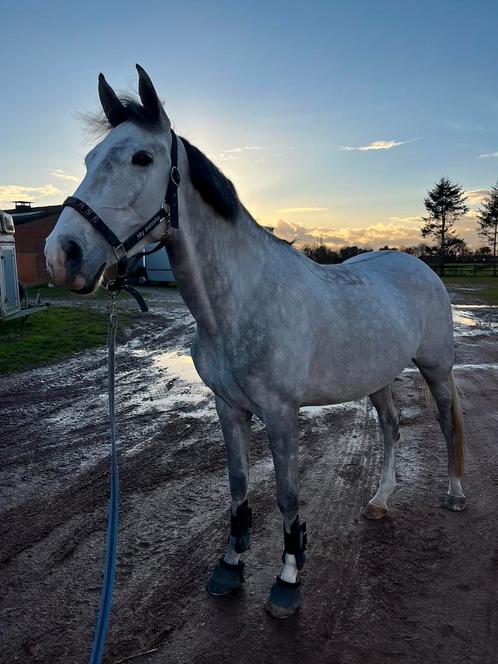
(320, 410)
(492, 366)
(475, 319)
(176, 386)
(179, 365)
(475, 306)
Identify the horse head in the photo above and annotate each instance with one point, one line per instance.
(126, 178)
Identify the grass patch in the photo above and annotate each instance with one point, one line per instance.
(474, 270)
(486, 291)
(51, 335)
(54, 293)
(58, 293)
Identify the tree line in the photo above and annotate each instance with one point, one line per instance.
(445, 203)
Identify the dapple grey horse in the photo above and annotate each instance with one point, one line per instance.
(275, 331)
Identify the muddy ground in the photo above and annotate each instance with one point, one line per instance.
(419, 586)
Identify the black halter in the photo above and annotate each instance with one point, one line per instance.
(121, 249)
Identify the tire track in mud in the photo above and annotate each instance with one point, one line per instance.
(372, 591)
(418, 586)
(63, 502)
(406, 599)
(70, 399)
(339, 499)
(339, 478)
(242, 619)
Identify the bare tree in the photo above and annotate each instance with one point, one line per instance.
(487, 222)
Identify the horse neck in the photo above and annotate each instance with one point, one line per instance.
(210, 256)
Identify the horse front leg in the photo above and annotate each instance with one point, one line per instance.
(227, 576)
(281, 426)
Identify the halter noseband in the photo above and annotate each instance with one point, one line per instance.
(121, 249)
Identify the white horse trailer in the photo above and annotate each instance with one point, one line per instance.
(10, 298)
(9, 290)
(155, 267)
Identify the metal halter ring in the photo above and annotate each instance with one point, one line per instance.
(175, 176)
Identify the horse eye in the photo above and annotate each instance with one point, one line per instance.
(141, 159)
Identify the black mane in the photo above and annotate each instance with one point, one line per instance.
(214, 187)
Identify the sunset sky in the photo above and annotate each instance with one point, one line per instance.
(332, 118)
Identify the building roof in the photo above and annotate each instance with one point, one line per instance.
(24, 214)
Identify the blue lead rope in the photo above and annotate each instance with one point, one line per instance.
(113, 516)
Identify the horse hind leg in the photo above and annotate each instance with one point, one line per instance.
(389, 421)
(443, 388)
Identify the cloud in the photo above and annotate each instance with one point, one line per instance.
(371, 236)
(58, 173)
(490, 155)
(231, 154)
(374, 235)
(406, 220)
(227, 157)
(13, 192)
(476, 196)
(243, 149)
(301, 209)
(376, 145)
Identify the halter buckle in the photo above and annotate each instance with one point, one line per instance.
(120, 252)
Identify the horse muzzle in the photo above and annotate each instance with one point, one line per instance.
(92, 284)
(67, 266)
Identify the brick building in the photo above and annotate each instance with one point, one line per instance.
(33, 224)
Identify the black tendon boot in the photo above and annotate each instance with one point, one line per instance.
(285, 597)
(226, 578)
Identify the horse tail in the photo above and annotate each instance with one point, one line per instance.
(458, 438)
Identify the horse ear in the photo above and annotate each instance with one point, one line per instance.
(149, 98)
(114, 110)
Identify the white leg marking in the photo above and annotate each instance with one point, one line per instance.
(289, 571)
(388, 416)
(455, 487)
(386, 487)
(388, 478)
(231, 556)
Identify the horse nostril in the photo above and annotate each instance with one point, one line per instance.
(73, 255)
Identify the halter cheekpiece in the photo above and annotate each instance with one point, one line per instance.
(168, 213)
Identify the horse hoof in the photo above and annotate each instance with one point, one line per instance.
(456, 503)
(284, 600)
(372, 511)
(225, 579)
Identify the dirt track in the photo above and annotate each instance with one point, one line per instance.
(419, 586)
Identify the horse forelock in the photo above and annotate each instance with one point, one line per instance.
(99, 125)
